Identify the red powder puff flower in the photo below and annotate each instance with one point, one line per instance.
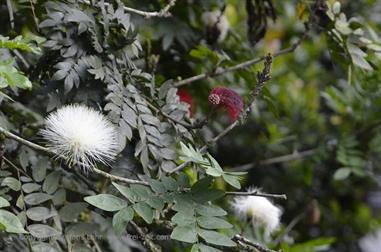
(185, 96)
(228, 99)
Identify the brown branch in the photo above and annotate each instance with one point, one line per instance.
(147, 14)
(259, 194)
(157, 110)
(285, 158)
(11, 164)
(240, 239)
(240, 66)
(147, 240)
(51, 153)
(262, 78)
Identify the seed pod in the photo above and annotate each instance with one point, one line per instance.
(227, 99)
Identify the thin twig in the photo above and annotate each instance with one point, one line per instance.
(11, 164)
(289, 227)
(51, 153)
(157, 110)
(117, 178)
(10, 12)
(147, 240)
(196, 125)
(24, 141)
(34, 14)
(259, 247)
(259, 194)
(281, 159)
(18, 170)
(147, 14)
(262, 78)
(240, 66)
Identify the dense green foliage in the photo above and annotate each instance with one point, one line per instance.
(312, 133)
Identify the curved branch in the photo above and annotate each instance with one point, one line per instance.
(51, 153)
(242, 240)
(147, 241)
(285, 158)
(147, 14)
(259, 194)
(242, 65)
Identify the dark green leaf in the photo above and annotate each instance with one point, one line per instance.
(11, 223)
(39, 213)
(185, 234)
(202, 184)
(106, 202)
(169, 183)
(50, 184)
(121, 219)
(208, 195)
(216, 238)
(71, 211)
(210, 222)
(205, 248)
(37, 198)
(144, 211)
(44, 247)
(30, 187)
(12, 183)
(4, 202)
(157, 186)
(184, 218)
(43, 231)
(232, 180)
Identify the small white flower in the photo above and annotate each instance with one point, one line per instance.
(214, 18)
(81, 135)
(259, 209)
(371, 242)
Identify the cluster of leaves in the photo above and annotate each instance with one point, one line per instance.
(10, 76)
(351, 36)
(211, 166)
(194, 219)
(85, 43)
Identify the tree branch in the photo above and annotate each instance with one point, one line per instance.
(147, 14)
(240, 239)
(285, 158)
(51, 153)
(147, 240)
(259, 194)
(242, 65)
(262, 78)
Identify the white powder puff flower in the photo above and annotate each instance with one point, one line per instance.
(214, 18)
(81, 135)
(261, 211)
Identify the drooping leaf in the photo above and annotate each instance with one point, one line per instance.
(121, 219)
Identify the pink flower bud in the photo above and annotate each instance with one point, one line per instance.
(227, 99)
